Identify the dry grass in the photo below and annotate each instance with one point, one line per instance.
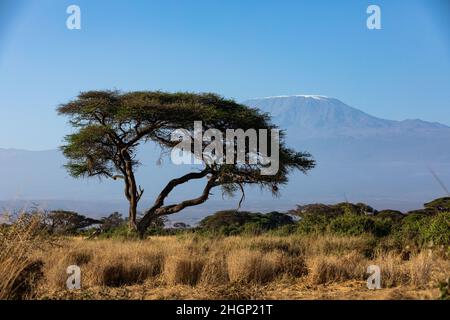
(19, 269)
(325, 269)
(183, 269)
(248, 266)
(192, 267)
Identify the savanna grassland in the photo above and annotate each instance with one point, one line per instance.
(199, 266)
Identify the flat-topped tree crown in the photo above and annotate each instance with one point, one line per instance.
(111, 124)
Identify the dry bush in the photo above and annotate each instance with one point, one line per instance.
(290, 246)
(20, 271)
(325, 269)
(123, 273)
(184, 269)
(416, 271)
(79, 257)
(336, 245)
(104, 263)
(215, 271)
(249, 266)
(420, 268)
(124, 267)
(393, 271)
(293, 266)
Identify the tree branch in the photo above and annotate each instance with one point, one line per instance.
(171, 209)
(176, 182)
(140, 193)
(141, 134)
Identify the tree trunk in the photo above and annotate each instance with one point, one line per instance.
(132, 213)
(131, 191)
(145, 222)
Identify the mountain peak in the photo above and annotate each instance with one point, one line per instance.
(306, 96)
(319, 116)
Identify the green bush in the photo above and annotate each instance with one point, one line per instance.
(437, 231)
(346, 224)
(120, 232)
(231, 222)
(283, 231)
(352, 225)
(384, 226)
(252, 229)
(413, 227)
(313, 224)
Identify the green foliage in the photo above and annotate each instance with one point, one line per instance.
(390, 214)
(313, 224)
(354, 209)
(384, 226)
(428, 225)
(352, 225)
(231, 222)
(438, 229)
(283, 231)
(412, 227)
(119, 232)
(333, 210)
(439, 205)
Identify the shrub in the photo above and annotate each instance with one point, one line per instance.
(384, 226)
(124, 273)
(324, 269)
(247, 266)
(412, 228)
(233, 223)
(20, 271)
(391, 214)
(252, 229)
(215, 271)
(120, 232)
(185, 269)
(313, 224)
(438, 229)
(283, 231)
(352, 225)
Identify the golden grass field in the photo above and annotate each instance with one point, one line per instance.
(196, 267)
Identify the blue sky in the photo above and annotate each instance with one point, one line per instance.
(240, 49)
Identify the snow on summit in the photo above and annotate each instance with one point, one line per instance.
(310, 96)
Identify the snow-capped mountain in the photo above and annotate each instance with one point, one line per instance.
(320, 116)
(329, 128)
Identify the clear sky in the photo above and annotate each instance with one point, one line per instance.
(240, 49)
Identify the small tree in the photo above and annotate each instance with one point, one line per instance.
(113, 221)
(110, 125)
(67, 222)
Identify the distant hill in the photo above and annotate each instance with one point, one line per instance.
(360, 158)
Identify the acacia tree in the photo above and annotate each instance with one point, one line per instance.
(110, 125)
